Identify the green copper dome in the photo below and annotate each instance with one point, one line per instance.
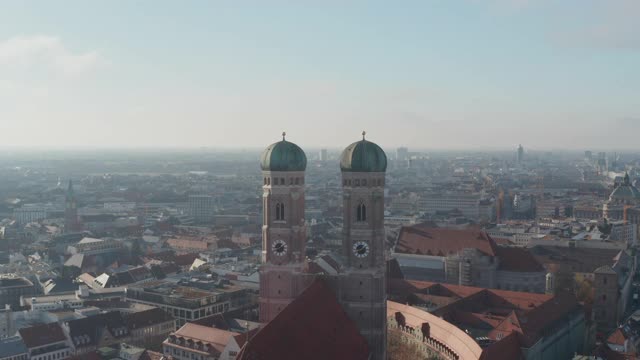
(625, 191)
(283, 156)
(363, 156)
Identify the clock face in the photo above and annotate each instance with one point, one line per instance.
(279, 247)
(361, 249)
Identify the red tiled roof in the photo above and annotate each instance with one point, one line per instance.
(546, 314)
(505, 311)
(313, 326)
(187, 244)
(617, 337)
(216, 321)
(241, 339)
(508, 348)
(405, 287)
(476, 320)
(146, 318)
(40, 335)
(517, 260)
(604, 352)
(425, 240)
(216, 338)
(510, 324)
(186, 259)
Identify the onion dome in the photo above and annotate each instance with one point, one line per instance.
(283, 156)
(363, 156)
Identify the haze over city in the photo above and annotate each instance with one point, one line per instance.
(320, 180)
(426, 74)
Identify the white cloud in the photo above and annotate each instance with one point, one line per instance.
(49, 51)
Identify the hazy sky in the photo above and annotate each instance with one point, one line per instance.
(425, 73)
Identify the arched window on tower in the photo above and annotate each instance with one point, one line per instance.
(279, 212)
(361, 213)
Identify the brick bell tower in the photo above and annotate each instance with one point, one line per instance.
(362, 284)
(283, 232)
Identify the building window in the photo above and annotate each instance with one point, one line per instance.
(297, 181)
(361, 213)
(280, 212)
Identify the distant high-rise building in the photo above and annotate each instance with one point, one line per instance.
(588, 155)
(201, 207)
(323, 155)
(402, 153)
(71, 222)
(520, 154)
(30, 212)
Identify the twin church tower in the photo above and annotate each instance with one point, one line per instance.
(359, 283)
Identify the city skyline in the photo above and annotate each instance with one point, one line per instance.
(428, 75)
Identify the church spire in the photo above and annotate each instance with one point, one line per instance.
(70, 189)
